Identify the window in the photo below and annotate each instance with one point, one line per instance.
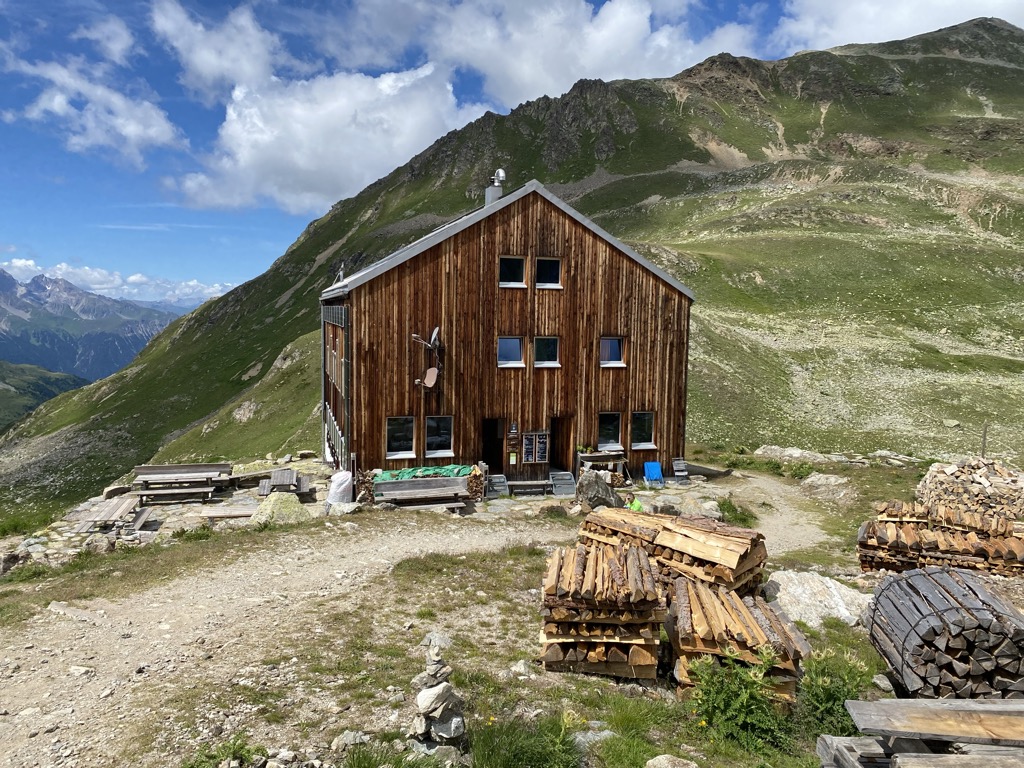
(510, 352)
(545, 352)
(512, 272)
(439, 436)
(609, 431)
(641, 431)
(400, 432)
(611, 352)
(549, 273)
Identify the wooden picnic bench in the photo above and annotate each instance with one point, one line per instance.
(529, 486)
(286, 481)
(107, 512)
(423, 492)
(181, 475)
(202, 492)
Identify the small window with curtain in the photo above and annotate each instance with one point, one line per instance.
(548, 273)
(512, 272)
(400, 430)
(439, 436)
(641, 431)
(510, 352)
(609, 432)
(545, 352)
(612, 352)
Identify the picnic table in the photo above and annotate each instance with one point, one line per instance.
(108, 512)
(156, 481)
(284, 481)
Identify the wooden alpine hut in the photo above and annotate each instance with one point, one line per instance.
(518, 335)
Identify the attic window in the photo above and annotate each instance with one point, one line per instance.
(512, 272)
(549, 273)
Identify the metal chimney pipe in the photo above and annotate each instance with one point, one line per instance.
(493, 193)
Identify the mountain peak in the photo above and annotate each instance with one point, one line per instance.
(984, 39)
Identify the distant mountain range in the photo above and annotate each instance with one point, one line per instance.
(23, 387)
(51, 323)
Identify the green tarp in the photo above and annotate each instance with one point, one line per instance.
(449, 470)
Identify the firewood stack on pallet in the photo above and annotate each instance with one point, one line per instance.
(967, 516)
(695, 547)
(602, 612)
(712, 620)
(945, 635)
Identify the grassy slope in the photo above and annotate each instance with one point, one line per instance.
(23, 387)
(856, 275)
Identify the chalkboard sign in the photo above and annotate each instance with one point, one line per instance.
(542, 447)
(529, 444)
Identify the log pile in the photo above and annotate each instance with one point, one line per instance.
(966, 516)
(602, 612)
(944, 635)
(712, 620)
(695, 547)
(475, 485)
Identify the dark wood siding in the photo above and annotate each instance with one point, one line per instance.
(454, 286)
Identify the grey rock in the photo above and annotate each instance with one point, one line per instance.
(587, 738)
(522, 667)
(115, 490)
(669, 761)
(344, 508)
(449, 729)
(349, 739)
(882, 683)
(306, 454)
(396, 698)
(258, 761)
(418, 727)
(430, 699)
(9, 560)
(811, 597)
(99, 544)
(437, 639)
(950, 423)
(596, 492)
(282, 508)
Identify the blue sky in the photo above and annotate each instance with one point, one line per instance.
(174, 149)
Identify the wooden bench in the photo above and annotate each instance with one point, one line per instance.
(171, 475)
(286, 481)
(106, 512)
(422, 492)
(141, 518)
(542, 487)
(204, 493)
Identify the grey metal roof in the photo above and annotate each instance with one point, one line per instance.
(342, 287)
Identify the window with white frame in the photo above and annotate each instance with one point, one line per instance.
(545, 352)
(641, 431)
(510, 352)
(439, 436)
(511, 271)
(609, 431)
(548, 273)
(400, 431)
(613, 352)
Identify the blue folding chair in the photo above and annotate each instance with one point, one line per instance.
(652, 474)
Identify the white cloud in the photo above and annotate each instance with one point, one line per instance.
(94, 114)
(111, 283)
(306, 143)
(818, 24)
(111, 35)
(216, 60)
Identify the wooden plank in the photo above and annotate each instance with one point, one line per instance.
(985, 721)
(957, 761)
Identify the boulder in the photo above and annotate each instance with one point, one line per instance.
(99, 544)
(823, 486)
(9, 560)
(790, 454)
(282, 508)
(431, 699)
(811, 597)
(669, 761)
(594, 491)
(449, 729)
(115, 490)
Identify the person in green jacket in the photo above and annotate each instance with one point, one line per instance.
(633, 503)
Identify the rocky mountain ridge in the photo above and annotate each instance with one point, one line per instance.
(851, 221)
(52, 323)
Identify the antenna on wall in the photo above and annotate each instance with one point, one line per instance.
(429, 378)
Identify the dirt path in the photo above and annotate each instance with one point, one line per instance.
(76, 682)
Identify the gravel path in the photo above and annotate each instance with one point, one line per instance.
(78, 683)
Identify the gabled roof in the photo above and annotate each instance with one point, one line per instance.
(342, 287)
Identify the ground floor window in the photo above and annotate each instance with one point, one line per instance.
(641, 431)
(400, 430)
(439, 436)
(609, 431)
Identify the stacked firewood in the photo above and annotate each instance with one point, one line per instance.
(713, 620)
(696, 547)
(966, 516)
(944, 635)
(975, 485)
(364, 485)
(475, 485)
(602, 612)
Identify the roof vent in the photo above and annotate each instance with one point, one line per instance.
(493, 192)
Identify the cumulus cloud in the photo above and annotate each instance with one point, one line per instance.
(111, 36)
(94, 114)
(111, 283)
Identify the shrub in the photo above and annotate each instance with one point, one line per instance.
(830, 679)
(236, 748)
(800, 470)
(547, 742)
(379, 756)
(735, 514)
(736, 701)
(201, 533)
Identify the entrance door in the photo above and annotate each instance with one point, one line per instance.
(561, 450)
(492, 432)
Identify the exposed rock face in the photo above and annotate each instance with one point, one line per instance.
(811, 597)
(596, 492)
